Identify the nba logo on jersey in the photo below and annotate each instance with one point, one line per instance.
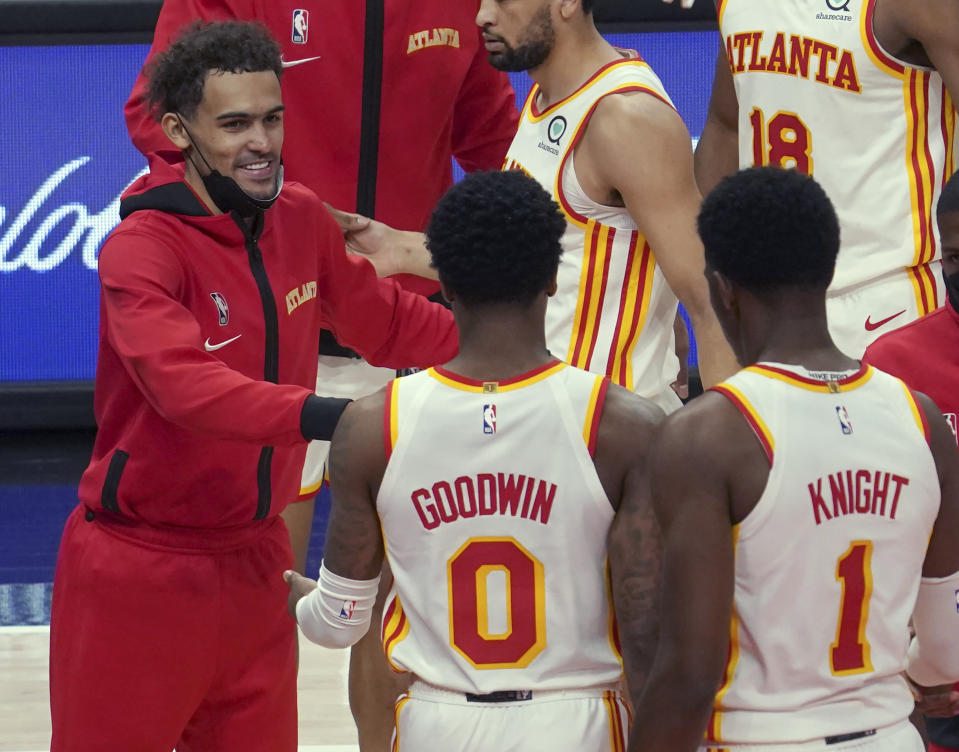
(489, 419)
(222, 309)
(844, 421)
(301, 26)
(346, 612)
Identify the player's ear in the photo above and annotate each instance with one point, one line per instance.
(569, 8)
(172, 126)
(445, 292)
(721, 292)
(552, 287)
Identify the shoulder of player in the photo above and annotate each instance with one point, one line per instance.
(626, 413)
(710, 430)
(618, 113)
(926, 21)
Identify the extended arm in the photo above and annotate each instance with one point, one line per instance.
(693, 511)
(654, 177)
(933, 24)
(934, 652)
(717, 153)
(385, 324)
(626, 432)
(337, 612)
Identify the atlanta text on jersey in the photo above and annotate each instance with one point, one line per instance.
(793, 55)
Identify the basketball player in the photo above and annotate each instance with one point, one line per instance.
(808, 536)
(599, 132)
(925, 354)
(860, 94)
(492, 484)
(165, 627)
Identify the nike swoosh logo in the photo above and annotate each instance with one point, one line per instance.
(291, 63)
(872, 326)
(209, 347)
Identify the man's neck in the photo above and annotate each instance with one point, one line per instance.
(575, 57)
(193, 179)
(495, 347)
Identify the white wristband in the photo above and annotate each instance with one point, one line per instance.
(337, 614)
(934, 652)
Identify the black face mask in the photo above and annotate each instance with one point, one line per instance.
(226, 192)
(952, 288)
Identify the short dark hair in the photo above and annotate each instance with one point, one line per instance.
(494, 238)
(587, 6)
(767, 228)
(949, 198)
(177, 75)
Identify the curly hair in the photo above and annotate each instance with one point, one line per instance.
(766, 228)
(176, 77)
(949, 198)
(494, 238)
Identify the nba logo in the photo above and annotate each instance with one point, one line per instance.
(222, 309)
(301, 26)
(489, 419)
(844, 421)
(346, 612)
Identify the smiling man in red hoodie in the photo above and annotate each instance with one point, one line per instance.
(164, 626)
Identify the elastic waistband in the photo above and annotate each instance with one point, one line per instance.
(182, 538)
(421, 689)
(837, 742)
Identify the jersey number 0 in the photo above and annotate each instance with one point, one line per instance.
(522, 634)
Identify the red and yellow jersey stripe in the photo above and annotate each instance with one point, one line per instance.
(753, 418)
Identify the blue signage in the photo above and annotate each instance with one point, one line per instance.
(67, 158)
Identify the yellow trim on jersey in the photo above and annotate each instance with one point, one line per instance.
(611, 618)
(920, 184)
(587, 265)
(312, 489)
(817, 387)
(482, 602)
(650, 271)
(914, 407)
(394, 413)
(715, 729)
(397, 707)
(621, 346)
(594, 260)
(949, 112)
(393, 634)
(867, 45)
(753, 413)
(591, 409)
(551, 110)
(559, 366)
(617, 734)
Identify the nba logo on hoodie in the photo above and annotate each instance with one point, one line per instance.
(301, 26)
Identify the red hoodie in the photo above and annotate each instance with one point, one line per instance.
(197, 316)
(437, 97)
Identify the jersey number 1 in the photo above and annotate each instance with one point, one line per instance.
(517, 578)
(784, 142)
(850, 652)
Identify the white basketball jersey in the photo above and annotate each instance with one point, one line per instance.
(817, 92)
(495, 525)
(827, 564)
(613, 313)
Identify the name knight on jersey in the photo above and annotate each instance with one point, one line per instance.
(484, 494)
(793, 55)
(856, 492)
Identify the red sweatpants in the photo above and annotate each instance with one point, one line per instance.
(161, 639)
